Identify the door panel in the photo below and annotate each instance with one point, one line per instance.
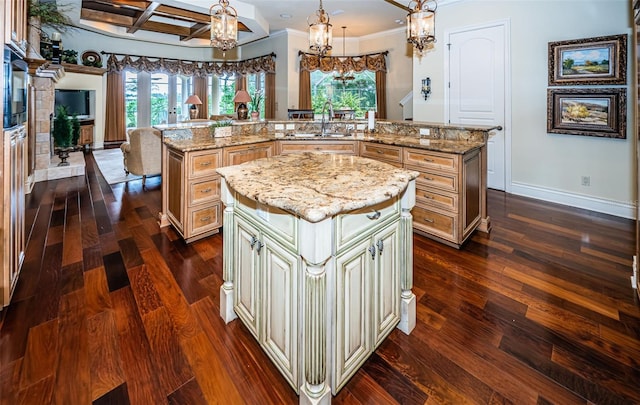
(477, 72)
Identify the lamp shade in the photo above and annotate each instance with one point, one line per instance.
(242, 97)
(193, 99)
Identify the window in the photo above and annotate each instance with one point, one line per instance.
(358, 94)
(155, 98)
(255, 84)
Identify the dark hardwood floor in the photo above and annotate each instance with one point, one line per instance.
(110, 309)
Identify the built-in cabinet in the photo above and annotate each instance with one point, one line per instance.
(338, 147)
(191, 185)
(15, 25)
(13, 209)
(86, 134)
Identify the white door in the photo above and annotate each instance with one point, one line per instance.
(477, 83)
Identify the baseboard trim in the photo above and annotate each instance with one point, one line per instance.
(575, 200)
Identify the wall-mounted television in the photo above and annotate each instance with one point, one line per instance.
(78, 102)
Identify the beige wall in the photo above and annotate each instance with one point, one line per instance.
(547, 166)
(399, 66)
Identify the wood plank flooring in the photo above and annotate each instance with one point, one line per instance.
(110, 309)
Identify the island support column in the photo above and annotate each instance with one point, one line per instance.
(408, 298)
(226, 290)
(318, 272)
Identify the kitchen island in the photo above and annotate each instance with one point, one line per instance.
(451, 198)
(318, 262)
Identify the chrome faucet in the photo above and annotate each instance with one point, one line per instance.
(323, 128)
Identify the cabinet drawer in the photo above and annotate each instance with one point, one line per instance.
(204, 163)
(444, 201)
(204, 219)
(381, 152)
(435, 223)
(431, 160)
(354, 223)
(204, 191)
(348, 147)
(444, 181)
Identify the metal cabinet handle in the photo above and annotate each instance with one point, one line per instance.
(374, 216)
(254, 240)
(380, 246)
(430, 197)
(429, 160)
(205, 219)
(372, 250)
(379, 151)
(429, 220)
(205, 191)
(205, 163)
(259, 246)
(429, 178)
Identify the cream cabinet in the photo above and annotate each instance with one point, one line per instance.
(367, 299)
(448, 193)
(266, 300)
(13, 209)
(338, 147)
(193, 203)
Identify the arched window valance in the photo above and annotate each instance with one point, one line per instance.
(259, 64)
(375, 62)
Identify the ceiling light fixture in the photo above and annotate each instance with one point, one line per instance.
(342, 76)
(320, 34)
(224, 26)
(421, 27)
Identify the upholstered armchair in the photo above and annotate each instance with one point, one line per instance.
(142, 152)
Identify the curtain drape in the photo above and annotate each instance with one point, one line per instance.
(241, 82)
(381, 94)
(115, 125)
(200, 90)
(375, 62)
(270, 95)
(304, 92)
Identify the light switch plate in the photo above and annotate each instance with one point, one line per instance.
(279, 127)
(291, 126)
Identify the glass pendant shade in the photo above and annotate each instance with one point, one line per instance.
(320, 32)
(421, 29)
(224, 26)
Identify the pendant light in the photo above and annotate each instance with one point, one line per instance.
(224, 25)
(342, 75)
(421, 20)
(320, 35)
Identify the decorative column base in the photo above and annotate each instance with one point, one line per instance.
(310, 398)
(407, 314)
(226, 304)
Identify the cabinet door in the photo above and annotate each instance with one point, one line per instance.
(235, 155)
(86, 135)
(280, 300)
(352, 309)
(246, 274)
(386, 283)
(174, 180)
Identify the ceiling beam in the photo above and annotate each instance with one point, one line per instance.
(144, 17)
(402, 6)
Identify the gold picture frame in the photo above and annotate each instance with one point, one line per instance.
(588, 61)
(591, 112)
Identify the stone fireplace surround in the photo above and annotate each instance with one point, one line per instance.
(46, 162)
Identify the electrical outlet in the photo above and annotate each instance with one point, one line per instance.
(586, 181)
(425, 131)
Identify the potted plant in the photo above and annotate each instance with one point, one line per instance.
(254, 105)
(220, 129)
(45, 14)
(62, 135)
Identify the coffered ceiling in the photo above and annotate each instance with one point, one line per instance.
(187, 22)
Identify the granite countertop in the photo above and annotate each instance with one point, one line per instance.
(193, 143)
(316, 186)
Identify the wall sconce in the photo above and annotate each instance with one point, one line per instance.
(426, 88)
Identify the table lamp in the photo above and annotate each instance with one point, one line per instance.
(194, 100)
(242, 97)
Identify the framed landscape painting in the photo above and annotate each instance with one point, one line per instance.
(588, 61)
(591, 112)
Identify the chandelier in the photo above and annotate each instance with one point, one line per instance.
(342, 76)
(320, 35)
(224, 25)
(421, 29)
